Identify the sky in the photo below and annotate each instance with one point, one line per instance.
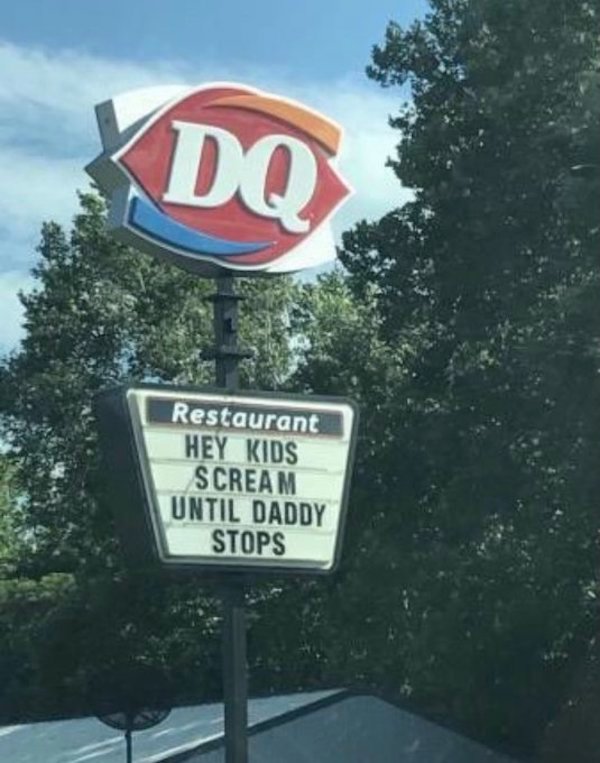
(58, 58)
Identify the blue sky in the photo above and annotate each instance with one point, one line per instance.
(60, 57)
(316, 39)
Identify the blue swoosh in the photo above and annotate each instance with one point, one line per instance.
(148, 219)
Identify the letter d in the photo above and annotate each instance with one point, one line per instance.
(259, 511)
(187, 158)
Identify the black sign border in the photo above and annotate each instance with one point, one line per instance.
(132, 499)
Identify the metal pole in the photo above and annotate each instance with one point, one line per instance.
(235, 679)
(129, 746)
(226, 353)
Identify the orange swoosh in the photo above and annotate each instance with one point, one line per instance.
(321, 129)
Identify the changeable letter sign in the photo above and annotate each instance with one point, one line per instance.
(232, 481)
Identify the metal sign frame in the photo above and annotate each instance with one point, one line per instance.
(130, 482)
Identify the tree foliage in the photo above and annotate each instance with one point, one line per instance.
(103, 314)
(487, 485)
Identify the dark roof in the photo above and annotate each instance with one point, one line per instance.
(350, 728)
(315, 727)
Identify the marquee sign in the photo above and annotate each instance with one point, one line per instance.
(244, 481)
(222, 176)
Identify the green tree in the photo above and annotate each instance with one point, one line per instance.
(482, 480)
(101, 314)
(8, 536)
(320, 622)
(26, 608)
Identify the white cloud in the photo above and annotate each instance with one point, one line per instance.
(11, 283)
(64, 81)
(34, 188)
(48, 133)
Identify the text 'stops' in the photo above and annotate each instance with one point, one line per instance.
(234, 480)
(222, 176)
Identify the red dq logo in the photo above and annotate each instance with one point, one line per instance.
(222, 176)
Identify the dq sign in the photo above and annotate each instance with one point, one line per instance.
(221, 176)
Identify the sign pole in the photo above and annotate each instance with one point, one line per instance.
(128, 746)
(226, 353)
(235, 679)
